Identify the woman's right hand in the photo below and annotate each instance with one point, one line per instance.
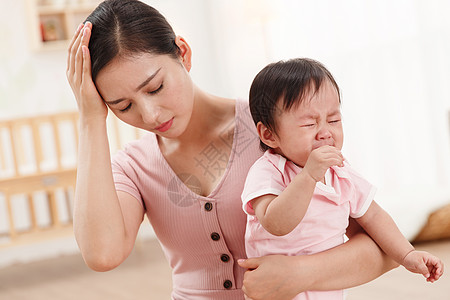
(90, 103)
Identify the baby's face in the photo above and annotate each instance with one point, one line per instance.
(314, 123)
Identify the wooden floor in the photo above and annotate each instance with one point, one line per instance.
(146, 275)
(400, 284)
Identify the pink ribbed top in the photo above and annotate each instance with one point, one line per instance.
(202, 237)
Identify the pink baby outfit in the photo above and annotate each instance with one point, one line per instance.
(202, 237)
(323, 226)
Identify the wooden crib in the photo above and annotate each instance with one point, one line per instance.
(38, 174)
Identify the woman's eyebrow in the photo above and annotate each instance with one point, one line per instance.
(144, 83)
(114, 102)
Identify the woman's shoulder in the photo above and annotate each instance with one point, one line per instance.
(245, 135)
(244, 121)
(138, 150)
(243, 117)
(242, 104)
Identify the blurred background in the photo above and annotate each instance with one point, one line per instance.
(390, 58)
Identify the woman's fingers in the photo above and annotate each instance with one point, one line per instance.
(86, 34)
(86, 59)
(74, 69)
(75, 54)
(77, 63)
(79, 74)
(73, 50)
(249, 263)
(74, 38)
(86, 76)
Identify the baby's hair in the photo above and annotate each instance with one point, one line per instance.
(128, 27)
(286, 82)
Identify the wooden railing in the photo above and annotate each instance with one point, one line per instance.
(38, 173)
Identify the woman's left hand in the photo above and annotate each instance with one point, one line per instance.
(271, 277)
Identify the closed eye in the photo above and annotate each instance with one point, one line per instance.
(126, 108)
(334, 121)
(154, 92)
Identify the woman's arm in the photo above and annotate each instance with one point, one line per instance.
(104, 233)
(358, 261)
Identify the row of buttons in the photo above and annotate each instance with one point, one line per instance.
(224, 257)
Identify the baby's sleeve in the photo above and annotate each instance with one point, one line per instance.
(363, 194)
(263, 178)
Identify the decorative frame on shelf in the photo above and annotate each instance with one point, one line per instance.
(52, 22)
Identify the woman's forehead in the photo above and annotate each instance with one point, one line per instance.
(126, 68)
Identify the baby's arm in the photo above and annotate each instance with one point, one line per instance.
(280, 214)
(382, 228)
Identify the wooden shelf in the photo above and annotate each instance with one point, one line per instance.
(52, 23)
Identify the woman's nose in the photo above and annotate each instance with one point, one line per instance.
(150, 114)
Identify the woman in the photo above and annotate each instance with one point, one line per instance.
(186, 174)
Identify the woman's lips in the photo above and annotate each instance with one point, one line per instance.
(164, 126)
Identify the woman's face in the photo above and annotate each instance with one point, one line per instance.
(151, 92)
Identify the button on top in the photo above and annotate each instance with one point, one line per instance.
(208, 206)
(215, 236)
(225, 257)
(227, 284)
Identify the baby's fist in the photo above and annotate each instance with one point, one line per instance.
(424, 263)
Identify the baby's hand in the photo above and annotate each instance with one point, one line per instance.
(321, 159)
(424, 263)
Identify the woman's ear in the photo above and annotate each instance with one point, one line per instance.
(266, 136)
(185, 52)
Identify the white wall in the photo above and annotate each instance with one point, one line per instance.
(392, 62)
